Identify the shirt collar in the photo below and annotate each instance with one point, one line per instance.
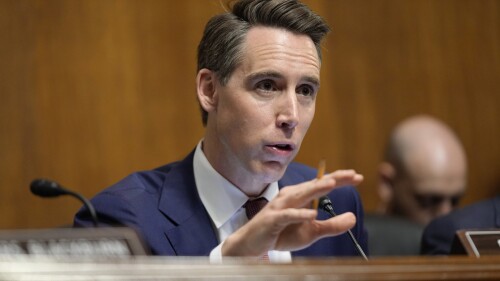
(221, 198)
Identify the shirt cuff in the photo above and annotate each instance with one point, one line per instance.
(274, 256)
(216, 254)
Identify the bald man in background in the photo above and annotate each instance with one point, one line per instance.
(423, 176)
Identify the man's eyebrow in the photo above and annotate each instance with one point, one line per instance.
(312, 80)
(264, 74)
(274, 74)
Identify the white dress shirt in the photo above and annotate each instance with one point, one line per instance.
(224, 201)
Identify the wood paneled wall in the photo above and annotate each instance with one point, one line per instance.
(92, 90)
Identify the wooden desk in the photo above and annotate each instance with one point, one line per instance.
(163, 268)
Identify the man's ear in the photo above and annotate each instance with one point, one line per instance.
(387, 174)
(205, 89)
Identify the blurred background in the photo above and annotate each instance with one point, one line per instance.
(92, 90)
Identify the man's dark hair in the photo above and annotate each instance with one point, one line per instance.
(220, 47)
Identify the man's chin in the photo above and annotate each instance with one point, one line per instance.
(274, 170)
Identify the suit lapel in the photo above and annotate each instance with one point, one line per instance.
(191, 231)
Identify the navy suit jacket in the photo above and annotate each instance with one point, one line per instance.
(439, 234)
(163, 205)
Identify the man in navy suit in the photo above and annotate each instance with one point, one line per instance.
(439, 234)
(258, 77)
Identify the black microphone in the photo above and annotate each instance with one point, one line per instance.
(48, 188)
(326, 205)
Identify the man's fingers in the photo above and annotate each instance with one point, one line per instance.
(319, 187)
(301, 195)
(298, 236)
(336, 225)
(293, 215)
(347, 177)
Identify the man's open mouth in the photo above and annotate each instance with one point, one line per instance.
(284, 147)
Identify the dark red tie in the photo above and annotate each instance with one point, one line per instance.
(252, 207)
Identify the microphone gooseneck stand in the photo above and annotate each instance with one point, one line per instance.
(326, 205)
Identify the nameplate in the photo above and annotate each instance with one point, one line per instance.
(82, 242)
(479, 242)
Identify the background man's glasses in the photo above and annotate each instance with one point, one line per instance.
(434, 200)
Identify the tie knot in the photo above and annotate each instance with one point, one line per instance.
(252, 207)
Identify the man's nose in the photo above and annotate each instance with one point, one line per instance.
(287, 110)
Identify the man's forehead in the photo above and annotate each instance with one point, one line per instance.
(265, 47)
(264, 38)
(440, 186)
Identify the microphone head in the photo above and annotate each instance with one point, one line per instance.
(46, 188)
(324, 202)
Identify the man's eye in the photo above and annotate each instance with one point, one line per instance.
(266, 85)
(306, 90)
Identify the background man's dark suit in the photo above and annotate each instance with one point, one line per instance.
(164, 206)
(439, 234)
